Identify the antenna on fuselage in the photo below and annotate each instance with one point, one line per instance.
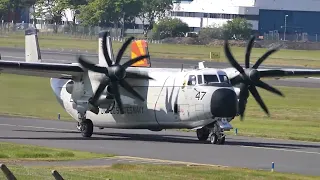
(201, 65)
(181, 67)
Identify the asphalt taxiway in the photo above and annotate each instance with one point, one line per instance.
(173, 146)
(70, 56)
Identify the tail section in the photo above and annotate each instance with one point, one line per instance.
(140, 48)
(32, 48)
(102, 61)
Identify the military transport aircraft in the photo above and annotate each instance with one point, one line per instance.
(133, 96)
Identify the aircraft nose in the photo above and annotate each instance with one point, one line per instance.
(224, 103)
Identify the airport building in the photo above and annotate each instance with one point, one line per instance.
(290, 16)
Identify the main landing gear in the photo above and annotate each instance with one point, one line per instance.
(216, 134)
(85, 126)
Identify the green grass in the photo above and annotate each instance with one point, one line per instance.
(294, 117)
(11, 152)
(152, 172)
(195, 52)
(29, 96)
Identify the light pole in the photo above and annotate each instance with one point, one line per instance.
(285, 27)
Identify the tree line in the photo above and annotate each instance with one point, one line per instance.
(112, 13)
(91, 12)
(237, 29)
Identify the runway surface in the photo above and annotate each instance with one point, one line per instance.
(256, 153)
(67, 56)
(176, 147)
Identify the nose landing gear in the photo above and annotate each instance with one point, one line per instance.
(85, 126)
(215, 131)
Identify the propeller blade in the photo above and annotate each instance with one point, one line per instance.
(137, 76)
(231, 59)
(236, 80)
(85, 63)
(122, 49)
(257, 96)
(100, 89)
(264, 57)
(105, 49)
(129, 88)
(268, 87)
(248, 51)
(244, 93)
(134, 60)
(116, 92)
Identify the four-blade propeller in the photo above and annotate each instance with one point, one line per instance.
(115, 74)
(249, 77)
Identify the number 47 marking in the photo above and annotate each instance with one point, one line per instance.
(200, 95)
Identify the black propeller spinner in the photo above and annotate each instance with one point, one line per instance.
(249, 77)
(115, 74)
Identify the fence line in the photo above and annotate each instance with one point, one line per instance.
(72, 31)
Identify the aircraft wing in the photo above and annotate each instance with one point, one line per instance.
(233, 73)
(53, 70)
(286, 72)
(56, 70)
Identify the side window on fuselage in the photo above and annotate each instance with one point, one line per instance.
(192, 80)
(199, 79)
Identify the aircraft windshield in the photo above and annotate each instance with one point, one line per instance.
(210, 79)
(224, 79)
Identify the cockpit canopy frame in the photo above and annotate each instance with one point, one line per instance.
(200, 78)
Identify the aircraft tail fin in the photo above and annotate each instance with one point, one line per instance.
(102, 60)
(140, 48)
(32, 48)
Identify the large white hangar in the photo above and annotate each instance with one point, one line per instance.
(290, 16)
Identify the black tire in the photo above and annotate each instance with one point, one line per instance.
(203, 134)
(213, 139)
(87, 129)
(222, 140)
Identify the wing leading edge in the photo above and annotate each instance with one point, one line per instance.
(53, 70)
(289, 72)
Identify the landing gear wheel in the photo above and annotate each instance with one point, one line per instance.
(78, 126)
(203, 134)
(213, 139)
(222, 140)
(86, 128)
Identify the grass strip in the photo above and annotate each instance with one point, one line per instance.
(152, 172)
(12, 152)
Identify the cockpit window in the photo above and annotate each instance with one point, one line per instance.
(199, 79)
(210, 79)
(224, 79)
(192, 80)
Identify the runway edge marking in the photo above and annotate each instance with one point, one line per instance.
(169, 161)
(286, 150)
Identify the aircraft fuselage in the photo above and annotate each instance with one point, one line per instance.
(171, 101)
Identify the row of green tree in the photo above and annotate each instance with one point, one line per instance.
(92, 12)
(112, 12)
(238, 28)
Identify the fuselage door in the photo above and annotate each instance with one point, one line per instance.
(192, 95)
